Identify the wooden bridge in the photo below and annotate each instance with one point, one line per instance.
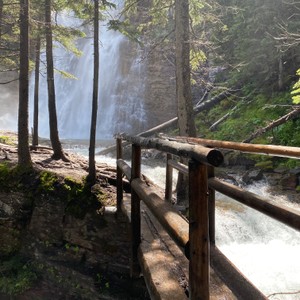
(178, 257)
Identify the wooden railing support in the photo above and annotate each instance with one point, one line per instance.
(211, 207)
(119, 177)
(198, 232)
(135, 213)
(169, 179)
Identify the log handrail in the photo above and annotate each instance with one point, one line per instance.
(283, 214)
(199, 153)
(274, 150)
(197, 237)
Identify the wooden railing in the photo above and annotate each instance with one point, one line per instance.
(197, 237)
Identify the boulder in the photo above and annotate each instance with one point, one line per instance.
(289, 181)
(252, 175)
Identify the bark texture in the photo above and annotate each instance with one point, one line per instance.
(92, 164)
(24, 158)
(54, 137)
(183, 84)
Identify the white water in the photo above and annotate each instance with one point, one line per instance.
(121, 86)
(265, 251)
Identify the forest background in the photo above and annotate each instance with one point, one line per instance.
(247, 50)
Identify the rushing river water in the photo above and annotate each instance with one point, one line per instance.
(264, 250)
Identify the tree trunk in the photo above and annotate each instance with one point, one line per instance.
(24, 159)
(35, 137)
(92, 164)
(280, 73)
(185, 114)
(186, 123)
(1, 18)
(56, 145)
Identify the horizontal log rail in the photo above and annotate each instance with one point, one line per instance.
(197, 236)
(274, 150)
(278, 212)
(178, 166)
(199, 153)
(166, 214)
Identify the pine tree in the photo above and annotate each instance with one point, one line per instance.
(24, 159)
(92, 164)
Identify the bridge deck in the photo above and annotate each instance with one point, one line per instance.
(163, 264)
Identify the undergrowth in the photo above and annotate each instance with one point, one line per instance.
(248, 114)
(16, 275)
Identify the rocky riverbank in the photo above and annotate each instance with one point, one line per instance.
(243, 171)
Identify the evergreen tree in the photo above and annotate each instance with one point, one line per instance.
(247, 42)
(54, 136)
(24, 159)
(9, 36)
(92, 164)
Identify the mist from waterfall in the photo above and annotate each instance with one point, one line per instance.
(121, 85)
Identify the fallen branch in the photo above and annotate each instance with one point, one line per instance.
(290, 116)
(214, 126)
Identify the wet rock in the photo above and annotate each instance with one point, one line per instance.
(272, 178)
(252, 175)
(289, 181)
(47, 220)
(281, 170)
(239, 160)
(295, 171)
(13, 216)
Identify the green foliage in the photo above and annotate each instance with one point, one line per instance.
(250, 46)
(288, 133)
(296, 90)
(9, 177)
(197, 58)
(4, 171)
(126, 28)
(48, 181)
(249, 116)
(16, 275)
(79, 198)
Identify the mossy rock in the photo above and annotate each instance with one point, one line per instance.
(8, 140)
(10, 241)
(266, 164)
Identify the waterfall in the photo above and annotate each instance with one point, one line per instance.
(121, 85)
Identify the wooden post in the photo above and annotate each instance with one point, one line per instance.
(212, 208)
(169, 179)
(198, 232)
(119, 177)
(135, 213)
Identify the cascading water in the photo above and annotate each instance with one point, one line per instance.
(121, 86)
(266, 251)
